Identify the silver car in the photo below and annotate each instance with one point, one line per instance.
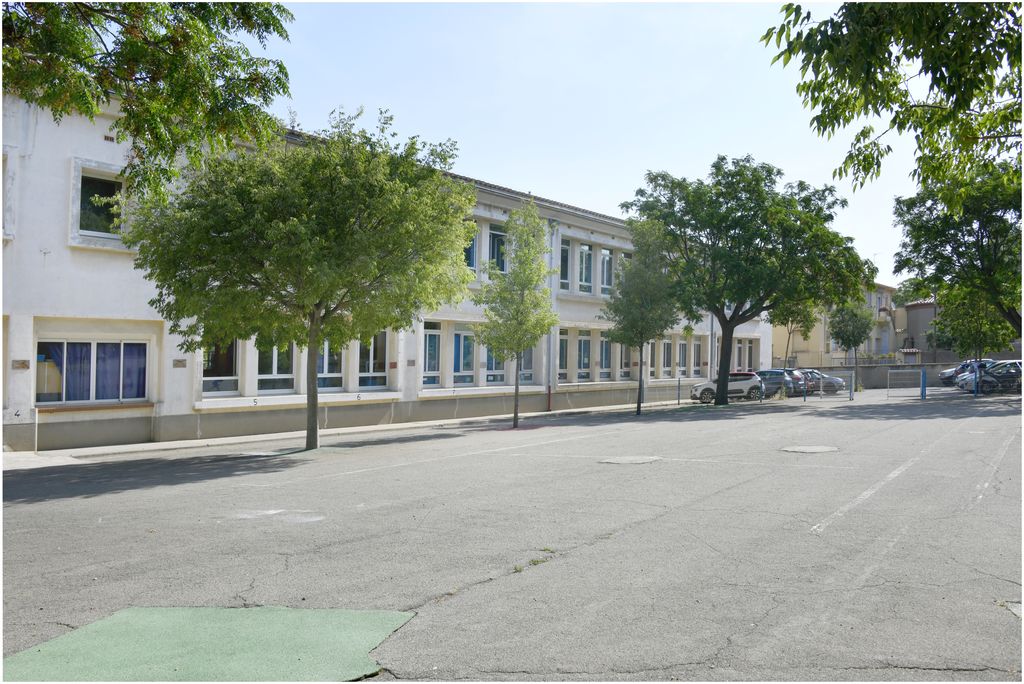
(742, 385)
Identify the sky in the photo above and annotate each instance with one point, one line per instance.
(576, 102)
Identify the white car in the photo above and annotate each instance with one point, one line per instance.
(742, 385)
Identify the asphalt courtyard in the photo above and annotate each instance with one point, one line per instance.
(708, 551)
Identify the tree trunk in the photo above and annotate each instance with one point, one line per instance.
(312, 398)
(515, 404)
(724, 362)
(640, 390)
(785, 359)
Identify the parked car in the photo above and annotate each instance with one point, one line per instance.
(1001, 377)
(965, 380)
(819, 382)
(798, 380)
(742, 385)
(948, 377)
(776, 381)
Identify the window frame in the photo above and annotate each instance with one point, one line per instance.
(460, 374)
(275, 374)
(93, 371)
(497, 234)
(431, 378)
(371, 377)
(526, 366)
(565, 265)
(583, 351)
(607, 272)
(585, 279)
(100, 170)
(220, 378)
(494, 369)
(323, 356)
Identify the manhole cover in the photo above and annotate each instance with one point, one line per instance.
(632, 460)
(809, 449)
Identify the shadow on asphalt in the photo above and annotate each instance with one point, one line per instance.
(355, 443)
(95, 479)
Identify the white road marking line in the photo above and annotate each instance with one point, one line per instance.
(867, 494)
(991, 471)
(755, 463)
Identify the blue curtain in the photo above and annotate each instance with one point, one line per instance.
(134, 383)
(108, 370)
(78, 371)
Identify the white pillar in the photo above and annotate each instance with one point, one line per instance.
(351, 373)
(248, 367)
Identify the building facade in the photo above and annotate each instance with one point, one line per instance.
(819, 349)
(87, 361)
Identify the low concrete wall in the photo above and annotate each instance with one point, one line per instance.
(103, 432)
(877, 377)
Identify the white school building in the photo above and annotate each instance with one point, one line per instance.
(87, 361)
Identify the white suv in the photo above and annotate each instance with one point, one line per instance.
(741, 386)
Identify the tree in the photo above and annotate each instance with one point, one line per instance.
(911, 290)
(641, 306)
(739, 247)
(970, 325)
(795, 318)
(850, 325)
(183, 84)
(517, 307)
(977, 247)
(336, 239)
(948, 73)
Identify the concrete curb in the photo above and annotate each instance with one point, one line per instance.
(19, 460)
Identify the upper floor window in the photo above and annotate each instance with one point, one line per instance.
(276, 368)
(470, 252)
(69, 371)
(220, 369)
(563, 272)
(496, 251)
(95, 218)
(586, 268)
(606, 271)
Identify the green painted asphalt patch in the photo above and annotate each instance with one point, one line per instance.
(212, 644)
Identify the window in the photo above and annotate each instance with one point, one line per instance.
(650, 358)
(739, 355)
(563, 354)
(497, 247)
(495, 369)
(69, 371)
(583, 355)
(563, 273)
(431, 353)
(373, 364)
(750, 355)
(606, 357)
(329, 377)
(470, 252)
(463, 359)
(625, 361)
(606, 271)
(682, 359)
(220, 369)
(526, 366)
(697, 372)
(666, 359)
(586, 268)
(95, 218)
(276, 368)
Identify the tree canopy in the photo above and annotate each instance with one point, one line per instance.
(850, 325)
(641, 306)
(517, 306)
(969, 324)
(336, 239)
(740, 247)
(977, 247)
(183, 83)
(947, 73)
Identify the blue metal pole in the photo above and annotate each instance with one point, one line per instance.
(924, 392)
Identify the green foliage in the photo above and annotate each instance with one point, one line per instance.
(184, 86)
(850, 325)
(338, 238)
(948, 73)
(517, 306)
(641, 306)
(977, 247)
(970, 325)
(740, 247)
